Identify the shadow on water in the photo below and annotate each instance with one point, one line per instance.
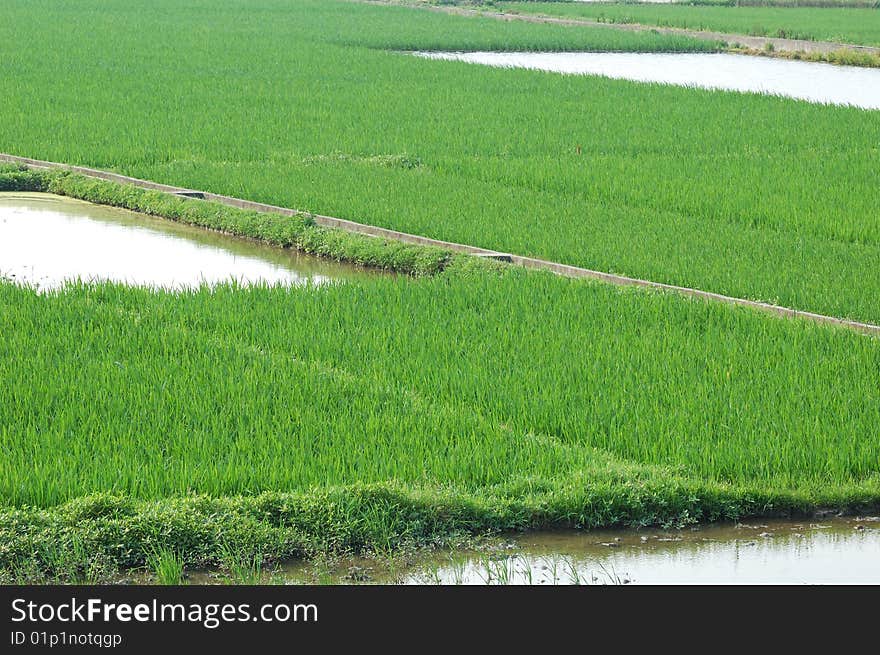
(47, 239)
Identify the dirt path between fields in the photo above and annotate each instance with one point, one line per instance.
(564, 270)
(750, 42)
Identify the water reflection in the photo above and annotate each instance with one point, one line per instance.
(814, 82)
(46, 239)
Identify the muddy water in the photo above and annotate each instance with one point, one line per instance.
(813, 82)
(47, 239)
(818, 551)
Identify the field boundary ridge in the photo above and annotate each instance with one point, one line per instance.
(564, 270)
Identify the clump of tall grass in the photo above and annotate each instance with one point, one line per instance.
(166, 565)
(241, 566)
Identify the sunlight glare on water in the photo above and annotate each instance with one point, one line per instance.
(46, 240)
(810, 81)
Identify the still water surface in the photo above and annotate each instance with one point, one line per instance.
(813, 551)
(837, 551)
(46, 240)
(810, 81)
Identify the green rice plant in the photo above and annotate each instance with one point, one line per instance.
(574, 574)
(457, 568)
(232, 391)
(609, 575)
(241, 567)
(527, 570)
(553, 568)
(167, 566)
(431, 575)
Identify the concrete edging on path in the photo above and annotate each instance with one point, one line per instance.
(533, 263)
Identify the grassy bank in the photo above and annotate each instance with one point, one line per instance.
(855, 25)
(297, 232)
(93, 538)
(738, 194)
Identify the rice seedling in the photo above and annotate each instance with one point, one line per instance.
(232, 391)
(457, 568)
(574, 574)
(499, 570)
(430, 575)
(240, 566)
(167, 566)
(526, 571)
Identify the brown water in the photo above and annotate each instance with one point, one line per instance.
(761, 552)
(47, 239)
(818, 551)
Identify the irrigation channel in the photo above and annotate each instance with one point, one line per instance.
(802, 80)
(47, 239)
(820, 550)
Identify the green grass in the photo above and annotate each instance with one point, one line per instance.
(855, 25)
(166, 566)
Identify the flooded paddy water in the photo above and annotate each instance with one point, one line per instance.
(814, 551)
(802, 80)
(46, 240)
